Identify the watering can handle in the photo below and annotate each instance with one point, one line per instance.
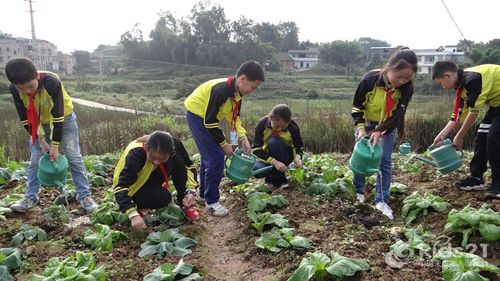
(54, 162)
(370, 145)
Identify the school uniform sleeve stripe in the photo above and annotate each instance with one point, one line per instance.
(258, 142)
(296, 139)
(54, 89)
(132, 212)
(20, 108)
(364, 87)
(177, 168)
(473, 85)
(134, 161)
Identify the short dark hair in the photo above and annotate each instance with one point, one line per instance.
(20, 70)
(281, 111)
(161, 141)
(252, 70)
(443, 66)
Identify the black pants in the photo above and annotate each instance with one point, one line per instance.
(152, 195)
(277, 149)
(478, 164)
(493, 148)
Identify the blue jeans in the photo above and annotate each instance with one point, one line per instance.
(384, 176)
(212, 158)
(278, 150)
(71, 149)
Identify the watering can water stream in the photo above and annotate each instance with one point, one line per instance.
(445, 157)
(241, 167)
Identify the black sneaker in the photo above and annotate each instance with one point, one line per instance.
(493, 192)
(471, 183)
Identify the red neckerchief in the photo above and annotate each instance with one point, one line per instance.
(165, 176)
(236, 106)
(458, 95)
(162, 170)
(389, 102)
(32, 115)
(31, 112)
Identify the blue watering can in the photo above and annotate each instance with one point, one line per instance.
(365, 158)
(241, 167)
(445, 157)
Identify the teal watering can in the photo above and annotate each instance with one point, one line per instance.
(52, 173)
(445, 157)
(241, 167)
(365, 159)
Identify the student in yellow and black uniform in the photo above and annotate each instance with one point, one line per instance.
(46, 111)
(210, 103)
(378, 109)
(141, 177)
(277, 142)
(475, 87)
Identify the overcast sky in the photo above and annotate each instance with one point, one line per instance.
(85, 24)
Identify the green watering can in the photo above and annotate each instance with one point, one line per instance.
(445, 157)
(52, 173)
(365, 158)
(241, 167)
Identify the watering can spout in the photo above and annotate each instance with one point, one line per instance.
(258, 171)
(427, 161)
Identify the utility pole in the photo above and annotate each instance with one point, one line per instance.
(33, 36)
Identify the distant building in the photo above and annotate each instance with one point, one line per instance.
(427, 57)
(296, 60)
(41, 52)
(380, 55)
(10, 48)
(67, 63)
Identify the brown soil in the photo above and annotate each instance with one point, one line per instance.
(226, 250)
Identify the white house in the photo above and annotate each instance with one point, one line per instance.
(304, 59)
(41, 52)
(427, 57)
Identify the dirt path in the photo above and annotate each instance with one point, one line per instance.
(223, 253)
(107, 107)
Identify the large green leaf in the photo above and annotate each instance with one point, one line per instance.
(271, 241)
(11, 257)
(4, 274)
(341, 266)
(303, 273)
(169, 242)
(490, 232)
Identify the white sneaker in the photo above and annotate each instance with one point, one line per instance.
(385, 209)
(360, 197)
(217, 210)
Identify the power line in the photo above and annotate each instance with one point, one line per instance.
(459, 30)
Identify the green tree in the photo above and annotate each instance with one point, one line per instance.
(133, 43)
(209, 23)
(289, 35)
(5, 35)
(268, 33)
(482, 53)
(82, 60)
(341, 52)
